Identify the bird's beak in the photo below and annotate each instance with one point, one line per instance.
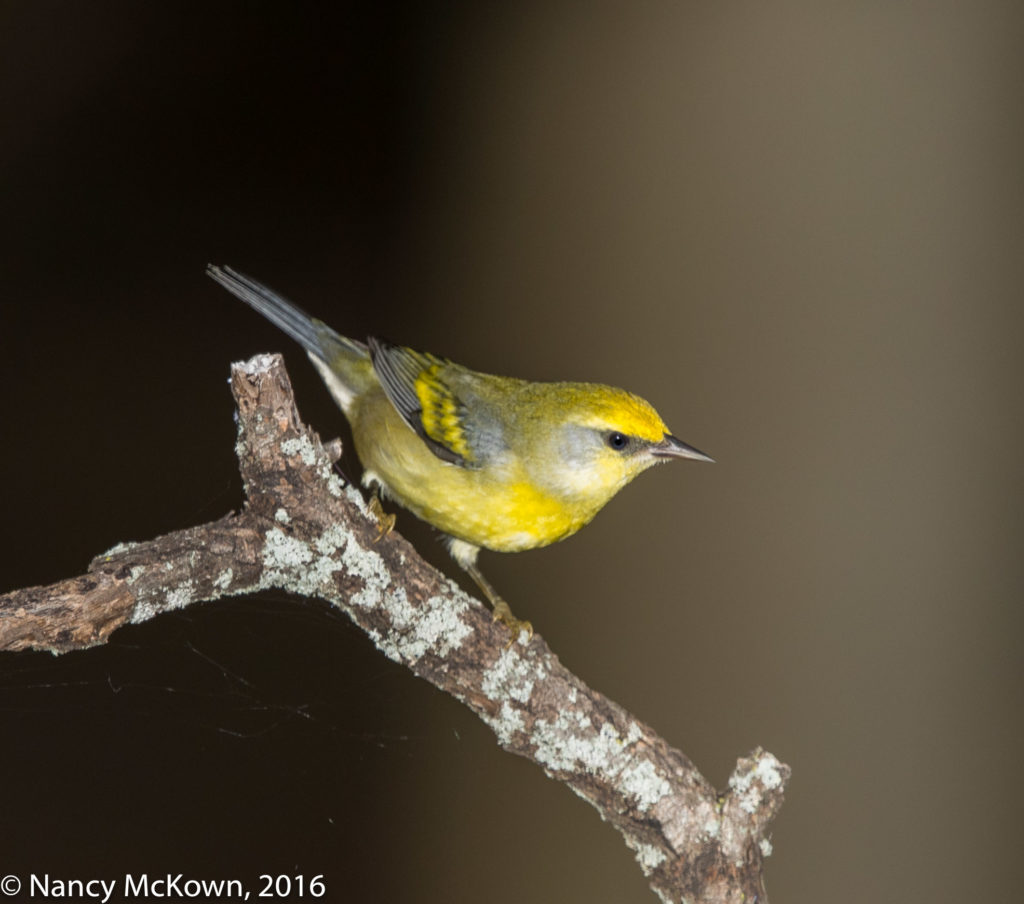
(670, 447)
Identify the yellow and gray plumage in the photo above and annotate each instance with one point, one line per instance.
(493, 462)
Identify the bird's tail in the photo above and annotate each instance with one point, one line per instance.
(344, 363)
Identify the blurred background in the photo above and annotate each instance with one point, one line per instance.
(796, 228)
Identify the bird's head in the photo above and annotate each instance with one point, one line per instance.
(604, 437)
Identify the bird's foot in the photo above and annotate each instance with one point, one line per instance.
(515, 625)
(385, 522)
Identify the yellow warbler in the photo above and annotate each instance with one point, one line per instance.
(493, 462)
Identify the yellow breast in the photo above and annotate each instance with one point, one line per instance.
(507, 517)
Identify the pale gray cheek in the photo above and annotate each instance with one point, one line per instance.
(579, 454)
(579, 447)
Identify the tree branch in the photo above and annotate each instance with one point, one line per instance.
(303, 530)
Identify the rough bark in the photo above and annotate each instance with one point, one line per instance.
(303, 530)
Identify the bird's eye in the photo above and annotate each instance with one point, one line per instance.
(618, 441)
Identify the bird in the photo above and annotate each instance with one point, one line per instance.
(492, 462)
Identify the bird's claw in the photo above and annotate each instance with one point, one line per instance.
(385, 522)
(515, 625)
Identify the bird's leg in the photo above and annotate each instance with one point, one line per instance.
(500, 608)
(385, 523)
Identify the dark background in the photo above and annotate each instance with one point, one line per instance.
(796, 228)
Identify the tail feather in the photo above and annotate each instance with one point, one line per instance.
(313, 335)
(343, 363)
